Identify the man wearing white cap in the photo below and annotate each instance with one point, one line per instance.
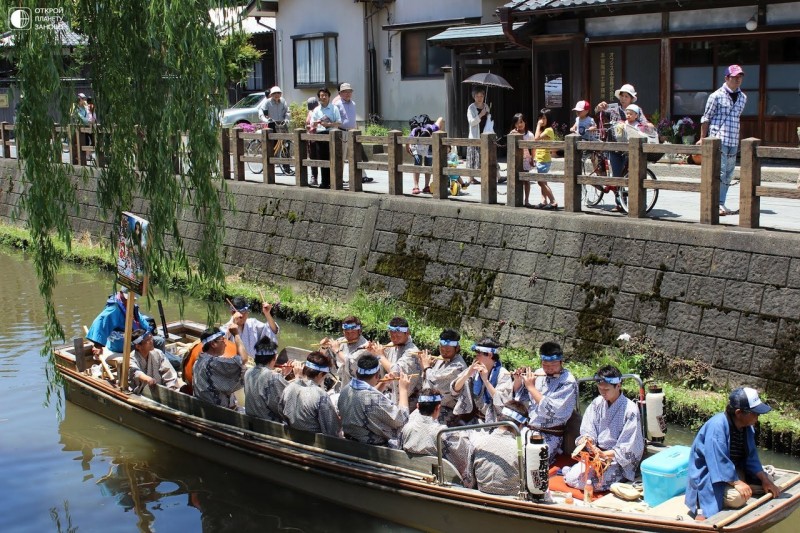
(81, 110)
(274, 109)
(347, 110)
(724, 469)
(721, 119)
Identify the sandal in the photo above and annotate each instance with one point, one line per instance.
(722, 213)
(426, 190)
(540, 206)
(474, 181)
(616, 209)
(415, 190)
(549, 207)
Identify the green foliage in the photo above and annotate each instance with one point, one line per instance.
(158, 74)
(376, 130)
(297, 116)
(239, 55)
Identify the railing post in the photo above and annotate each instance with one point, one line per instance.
(300, 153)
(337, 165)
(637, 170)
(225, 154)
(572, 168)
(440, 181)
(395, 158)
(709, 180)
(74, 144)
(81, 152)
(237, 150)
(488, 168)
(267, 151)
(6, 150)
(749, 179)
(516, 187)
(354, 151)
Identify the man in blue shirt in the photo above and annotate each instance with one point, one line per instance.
(721, 119)
(724, 463)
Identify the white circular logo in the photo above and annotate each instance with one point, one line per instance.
(20, 19)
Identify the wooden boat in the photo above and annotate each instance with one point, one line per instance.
(409, 490)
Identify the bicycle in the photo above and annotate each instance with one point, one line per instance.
(283, 149)
(597, 164)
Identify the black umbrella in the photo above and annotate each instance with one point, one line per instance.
(488, 79)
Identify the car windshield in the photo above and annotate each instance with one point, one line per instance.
(248, 101)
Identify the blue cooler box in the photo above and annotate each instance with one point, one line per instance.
(665, 474)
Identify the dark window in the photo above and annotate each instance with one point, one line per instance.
(783, 77)
(420, 58)
(637, 64)
(315, 60)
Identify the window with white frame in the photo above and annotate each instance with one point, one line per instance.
(315, 60)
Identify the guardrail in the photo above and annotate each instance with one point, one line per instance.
(84, 146)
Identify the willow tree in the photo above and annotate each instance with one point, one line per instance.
(158, 81)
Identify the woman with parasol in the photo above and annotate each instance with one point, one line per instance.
(478, 113)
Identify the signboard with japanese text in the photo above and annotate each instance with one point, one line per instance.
(130, 253)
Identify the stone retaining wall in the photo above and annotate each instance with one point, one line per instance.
(726, 296)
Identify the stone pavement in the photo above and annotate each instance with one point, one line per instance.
(678, 206)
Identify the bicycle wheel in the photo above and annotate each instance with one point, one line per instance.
(287, 151)
(254, 149)
(650, 194)
(591, 195)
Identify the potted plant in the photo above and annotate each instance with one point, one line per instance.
(686, 129)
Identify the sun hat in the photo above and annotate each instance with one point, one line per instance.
(345, 87)
(635, 108)
(582, 105)
(733, 70)
(627, 88)
(747, 399)
(81, 95)
(274, 90)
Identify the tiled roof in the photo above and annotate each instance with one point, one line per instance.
(66, 36)
(472, 33)
(546, 5)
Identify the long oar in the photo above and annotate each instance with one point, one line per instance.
(163, 320)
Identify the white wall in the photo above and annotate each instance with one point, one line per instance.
(296, 17)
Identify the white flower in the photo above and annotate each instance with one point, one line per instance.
(624, 337)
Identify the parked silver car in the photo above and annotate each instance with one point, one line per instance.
(244, 111)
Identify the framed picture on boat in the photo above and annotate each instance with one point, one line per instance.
(130, 253)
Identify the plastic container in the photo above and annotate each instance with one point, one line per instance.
(665, 474)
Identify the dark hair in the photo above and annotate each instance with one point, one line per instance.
(730, 411)
(323, 90)
(450, 335)
(398, 322)
(427, 408)
(265, 344)
(609, 371)
(135, 334)
(283, 357)
(516, 118)
(545, 113)
(352, 319)
(318, 359)
(551, 348)
(206, 334)
(478, 89)
(489, 342)
(239, 302)
(517, 407)
(368, 362)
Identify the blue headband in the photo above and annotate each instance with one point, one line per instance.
(351, 326)
(140, 338)
(510, 413)
(313, 366)
(443, 342)
(368, 371)
(265, 352)
(479, 348)
(211, 338)
(552, 357)
(610, 381)
(401, 329)
(429, 399)
(242, 309)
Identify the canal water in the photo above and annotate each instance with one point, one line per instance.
(81, 472)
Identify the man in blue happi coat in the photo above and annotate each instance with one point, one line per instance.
(112, 319)
(724, 469)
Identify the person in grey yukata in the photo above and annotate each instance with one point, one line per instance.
(402, 358)
(550, 393)
(346, 349)
(264, 383)
(612, 424)
(440, 373)
(368, 416)
(483, 388)
(216, 378)
(496, 461)
(304, 402)
(418, 436)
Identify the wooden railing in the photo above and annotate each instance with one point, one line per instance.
(233, 159)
